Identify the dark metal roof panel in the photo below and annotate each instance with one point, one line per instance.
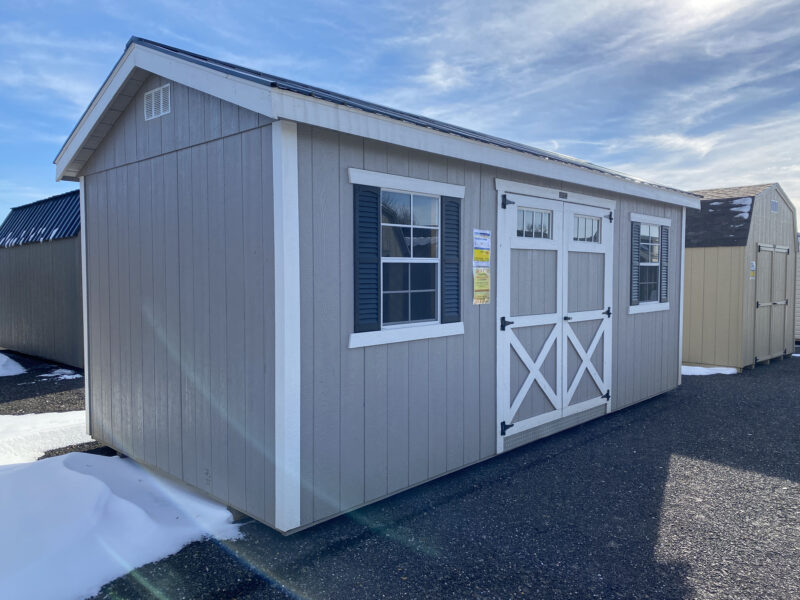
(719, 222)
(53, 218)
(315, 92)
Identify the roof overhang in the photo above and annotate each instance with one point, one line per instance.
(127, 76)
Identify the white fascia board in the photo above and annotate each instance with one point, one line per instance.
(403, 183)
(85, 308)
(504, 186)
(304, 109)
(287, 325)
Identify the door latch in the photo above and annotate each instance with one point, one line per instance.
(506, 201)
(610, 217)
(567, 318)
(607, 312)
(504, 323)
(607, 395)
(505, 427)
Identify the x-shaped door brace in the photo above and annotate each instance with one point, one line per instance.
(585, 356)
(533, 370)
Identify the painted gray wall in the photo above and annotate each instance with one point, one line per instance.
(377, 420)
(41, 311)
(180, 270)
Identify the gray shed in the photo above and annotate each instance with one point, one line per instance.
(283, 308)
(740, 277)
(40, 280)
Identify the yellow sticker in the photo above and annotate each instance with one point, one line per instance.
(481, 285)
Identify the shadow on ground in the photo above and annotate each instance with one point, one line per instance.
(692, 494)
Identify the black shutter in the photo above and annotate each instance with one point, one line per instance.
(367, 253)
(635, 231)
(451, 260)
(664, 269)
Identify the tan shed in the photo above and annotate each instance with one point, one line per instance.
(739, 305)
(797, 298)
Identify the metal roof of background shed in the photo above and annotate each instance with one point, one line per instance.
(53, 218)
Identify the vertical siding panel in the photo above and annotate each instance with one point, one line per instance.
(161, 186)
(115, 198)
(137, 186)
(247, 119)
(124, 242)
(200, 292)
(172, 330)
(180, 108)
(306, 217)
(397, 416)
(197, 121)
(269, 322)
(351, 384)
(128, 123)
(235, 332)
(218, 393)
(437, 406)
(375, 420)
(470, 215)
(213, 117)
(94, 255)
(325, 194)
(487, 342)
(105, 274)
(185, 294)
(230, 118)
(255, 393)
(168, 122)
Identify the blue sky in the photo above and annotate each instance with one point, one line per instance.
(691, 94)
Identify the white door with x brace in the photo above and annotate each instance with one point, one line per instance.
(555, 277)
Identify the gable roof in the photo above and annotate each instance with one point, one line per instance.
(722, 222)
(280, 98)
(53, 218)
(734, 192)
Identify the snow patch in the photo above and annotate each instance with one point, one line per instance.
(9, 368)
(61, 375)
(79, 521)
(742, 207)
(24, 438)
(707, 370)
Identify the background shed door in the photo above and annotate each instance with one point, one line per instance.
(554, 342)
(772, 301)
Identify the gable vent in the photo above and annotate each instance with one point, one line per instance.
(156, 102)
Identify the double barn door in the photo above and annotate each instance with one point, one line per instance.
(555, 278)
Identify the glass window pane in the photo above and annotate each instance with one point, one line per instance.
(528, 223)
(396, 208)
(426, 243)
(396, 241)
(654, 253)
(426, 210)
(395, 307)
(546, 226)
(596, 231)
(644, 253)
(395, 277)
(520, 222)
(423, 306)
(537, 224)
(582, 230)
(423, 276)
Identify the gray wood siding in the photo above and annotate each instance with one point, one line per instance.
(377, 420)
(41, 311)
(181, 295)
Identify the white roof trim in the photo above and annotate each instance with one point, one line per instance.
(283, 104)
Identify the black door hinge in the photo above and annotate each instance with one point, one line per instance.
(610, 217)
(607, 312)
(506, 201)
(504, 323)
(607, 395)
(758, 304)
(505, 427)
(567, 318)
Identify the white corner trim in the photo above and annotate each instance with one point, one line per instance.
(640, 218)
(404, 334)
(85, 306)
(648, 307)
(683, 293)
(287, 325)
(409, 184)
(526, 189)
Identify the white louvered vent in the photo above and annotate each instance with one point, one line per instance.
(156, 102)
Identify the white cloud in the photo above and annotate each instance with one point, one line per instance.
(444, 77)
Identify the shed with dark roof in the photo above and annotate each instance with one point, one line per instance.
(739, 307)
(41, 303)
(301, 302)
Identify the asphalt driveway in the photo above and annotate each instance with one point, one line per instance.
(694, 494)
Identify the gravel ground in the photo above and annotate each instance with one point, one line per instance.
(30, 393)
(695, 494)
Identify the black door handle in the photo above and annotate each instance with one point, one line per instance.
(567, 318)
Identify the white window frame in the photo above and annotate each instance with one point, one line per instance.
(420, 330)
(651, 305)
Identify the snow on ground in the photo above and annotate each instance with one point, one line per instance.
(9, 367)
(60, 375)
(685, 370)
(72, 523)
(24, 438)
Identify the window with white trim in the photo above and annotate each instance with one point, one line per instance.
(409, 257)
(649, 263)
